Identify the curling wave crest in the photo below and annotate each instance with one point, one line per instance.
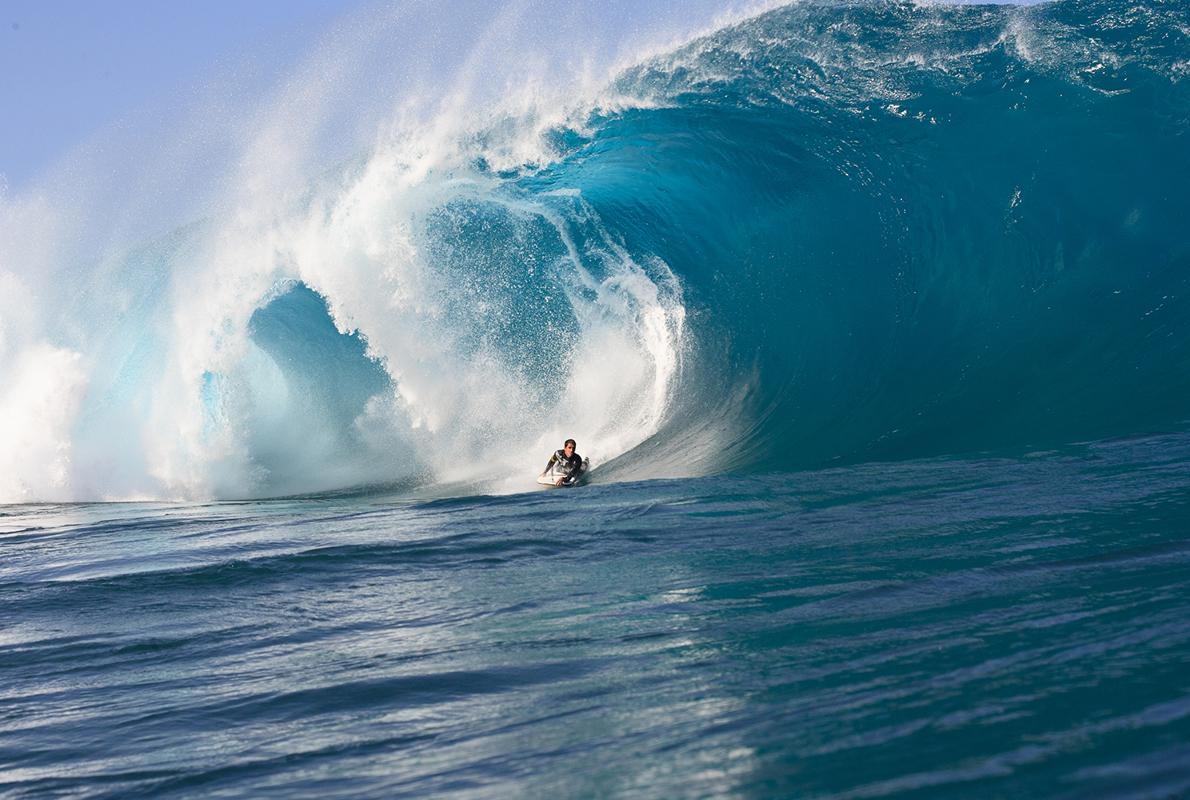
(823, 233)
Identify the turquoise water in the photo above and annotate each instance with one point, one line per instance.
(997, 626)
(872, 318)
(828, 234)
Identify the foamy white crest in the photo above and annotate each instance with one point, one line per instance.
(40, 384)
(39, 399)
(129, 373)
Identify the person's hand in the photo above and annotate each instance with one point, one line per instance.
(559, 481)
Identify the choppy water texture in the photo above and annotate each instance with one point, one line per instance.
(873, 318)
(938, 628)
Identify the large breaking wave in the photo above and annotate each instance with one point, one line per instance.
(825, 233)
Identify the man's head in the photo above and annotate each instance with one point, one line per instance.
(568, 447)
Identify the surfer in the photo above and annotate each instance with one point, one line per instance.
(564, 464)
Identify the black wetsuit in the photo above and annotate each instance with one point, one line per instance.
(568, 467)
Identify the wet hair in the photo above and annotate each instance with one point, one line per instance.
(569, 441)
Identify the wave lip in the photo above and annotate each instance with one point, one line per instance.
(827, 233)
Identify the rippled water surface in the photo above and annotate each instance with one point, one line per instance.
(1000, 626)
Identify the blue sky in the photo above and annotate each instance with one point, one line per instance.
(68, 67)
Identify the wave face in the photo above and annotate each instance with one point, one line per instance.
(830, 232)
(922, 230)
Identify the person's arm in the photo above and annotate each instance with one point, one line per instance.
(549, 464)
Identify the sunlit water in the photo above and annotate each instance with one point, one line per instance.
(999, 626)
(876, 237)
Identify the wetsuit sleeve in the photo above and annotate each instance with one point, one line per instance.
(573, 465)
(550, 463)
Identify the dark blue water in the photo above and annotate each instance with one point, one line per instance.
(983, 626)
(832, 233)
(875, 320)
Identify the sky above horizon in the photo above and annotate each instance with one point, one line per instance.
(69, 68)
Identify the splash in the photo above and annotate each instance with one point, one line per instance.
(817, 234)
(396, 310)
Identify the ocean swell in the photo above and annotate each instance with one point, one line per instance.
(827, 233)
(911, 230)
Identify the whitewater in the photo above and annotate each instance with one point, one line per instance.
(872, 317)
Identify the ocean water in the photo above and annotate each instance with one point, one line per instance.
(872, 318)
(947, 627)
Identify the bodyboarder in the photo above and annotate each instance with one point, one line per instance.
(564, 466)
